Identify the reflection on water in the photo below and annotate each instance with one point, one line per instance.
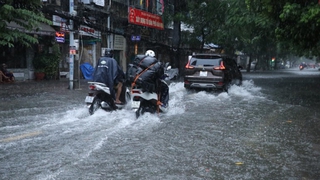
(205, 135)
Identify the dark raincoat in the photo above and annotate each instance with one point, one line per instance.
(106, 72)
(144, 72)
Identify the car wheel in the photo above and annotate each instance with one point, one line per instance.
(226, 87)
(237, 81)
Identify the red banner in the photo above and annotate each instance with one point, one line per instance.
(144, 18)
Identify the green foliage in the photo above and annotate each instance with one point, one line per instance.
(260, 28)
(299, 26)
(40, 62)
(205, 18)
(53, 61)
(26, 14)
(48, 62)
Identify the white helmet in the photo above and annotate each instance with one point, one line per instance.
(150, 53)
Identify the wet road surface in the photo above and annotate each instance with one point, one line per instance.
(266, 129)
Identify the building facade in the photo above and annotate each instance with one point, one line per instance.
(129, 27)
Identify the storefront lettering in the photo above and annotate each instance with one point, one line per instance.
(87, 30)
(143, 18)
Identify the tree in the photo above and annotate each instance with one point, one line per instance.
(248, 29)
(27, 14)
(205, 18)
(173, 13)
(299, 26)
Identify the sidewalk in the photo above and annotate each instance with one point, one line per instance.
(31, 87)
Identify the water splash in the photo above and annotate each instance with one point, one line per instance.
(248, 90)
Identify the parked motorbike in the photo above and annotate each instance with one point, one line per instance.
(99, 97)
(143, 101)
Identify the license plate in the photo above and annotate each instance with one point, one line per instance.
(89, 99)
(135, 104)
(203, 73)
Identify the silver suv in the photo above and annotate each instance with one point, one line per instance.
(211, 71)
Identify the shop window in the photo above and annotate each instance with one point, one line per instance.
(14, 57)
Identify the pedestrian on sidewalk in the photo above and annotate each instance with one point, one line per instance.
(6, 75)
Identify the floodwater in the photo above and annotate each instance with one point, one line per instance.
(266, 129)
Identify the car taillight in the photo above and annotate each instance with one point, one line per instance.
(188, 66)
(92, 87)
(220, 83)
(221, 67)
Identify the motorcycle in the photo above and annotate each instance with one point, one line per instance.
(143, 101)
(99, 97)
(301, 67)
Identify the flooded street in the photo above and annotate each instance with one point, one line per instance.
(266, 129)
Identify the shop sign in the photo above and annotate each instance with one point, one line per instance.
(135, 38)
(144, 18)
(58, 21)
(88, 31)
(60, 37)
(119, 42)
(72, 50)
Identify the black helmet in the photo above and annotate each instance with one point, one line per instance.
(108, 52)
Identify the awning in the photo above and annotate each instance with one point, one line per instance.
(44, 29)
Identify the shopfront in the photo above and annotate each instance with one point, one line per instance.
(19, 58)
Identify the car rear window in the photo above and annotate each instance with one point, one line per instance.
(205, 61)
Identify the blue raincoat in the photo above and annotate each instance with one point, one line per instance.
(87, 70)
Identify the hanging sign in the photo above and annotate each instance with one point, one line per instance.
(135, 38)
(73, 50)
(144, 18)
(60, 37)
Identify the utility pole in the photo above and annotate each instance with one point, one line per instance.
(109, 27)
(71, 45)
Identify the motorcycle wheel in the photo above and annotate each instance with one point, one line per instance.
(128, 97)
(146, 106)
(139, 112)
(95, 105)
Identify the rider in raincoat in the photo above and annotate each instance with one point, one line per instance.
(110, 73)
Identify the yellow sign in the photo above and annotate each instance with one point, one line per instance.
(136, 49)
